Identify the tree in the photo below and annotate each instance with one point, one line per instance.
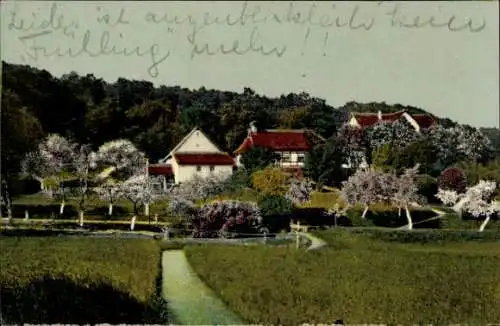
(383, 157)
(52, 164)
(477, 200)
(445, 141)
(199, 188)
(122, 156)
(21, 132)
(258, 158)
(84, 161)
(299, 191)
(226, 217)
(362, 188)
(420, 151)
(473, 144)
(379, 134)
(270, 181)
(354, 143)
(453, 179)
(403, 133)
(407, 192)
(111, 190)
(323, 163)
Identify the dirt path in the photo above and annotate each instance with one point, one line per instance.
(190, 301)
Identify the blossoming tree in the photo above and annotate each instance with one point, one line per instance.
(477, 200)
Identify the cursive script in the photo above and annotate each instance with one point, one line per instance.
(49, 33)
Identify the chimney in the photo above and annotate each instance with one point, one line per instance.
(380, 115)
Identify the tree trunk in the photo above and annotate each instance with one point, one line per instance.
(483, 225)
(364, 212)
(146, 209)
(61, 210)
(6, 198)
(408, 217)
(110, 209)
(26, 214)
(132, 223)
(399, 211)
(81, 218)
(156, 218)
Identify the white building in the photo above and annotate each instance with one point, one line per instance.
(291, 145)
(417, 121)
(195, 155)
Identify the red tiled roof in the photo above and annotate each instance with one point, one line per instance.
(392, 116)
(203, 159)
(424, 120)
(366, 120)
(277, 140)
(160, 169)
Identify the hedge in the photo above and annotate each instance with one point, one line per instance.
(81, 281)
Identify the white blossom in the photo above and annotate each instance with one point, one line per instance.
(299, 191)
(477, 200)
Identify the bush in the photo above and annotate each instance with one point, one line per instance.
(270, 182)
(81, 281)
(226, 218)
(453, 179)
(275, 205)
(427, 187)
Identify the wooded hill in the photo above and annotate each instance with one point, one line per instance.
(89, 110)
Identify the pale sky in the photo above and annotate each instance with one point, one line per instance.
(450, 73)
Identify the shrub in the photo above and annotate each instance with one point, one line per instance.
(453, 179)
(275, 205)
(427, 187)
(270, 181)
(226, 218)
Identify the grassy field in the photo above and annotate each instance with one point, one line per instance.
(80, 280)
(360, 278)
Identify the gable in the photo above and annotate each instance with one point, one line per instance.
(197, 142)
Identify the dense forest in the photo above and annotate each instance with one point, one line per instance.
(89, 110)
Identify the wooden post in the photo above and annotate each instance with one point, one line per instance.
(265, 236)
(26, 214)
(81, 218)
(156, 218)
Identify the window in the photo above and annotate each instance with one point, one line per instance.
(212, 168)
(287, 157)
(198, 168)
(301, 158)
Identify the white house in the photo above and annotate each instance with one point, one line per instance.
(417, 121)
(291, 145)
(195, 155)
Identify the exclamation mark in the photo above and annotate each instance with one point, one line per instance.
(306, 37)
(325, 43)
